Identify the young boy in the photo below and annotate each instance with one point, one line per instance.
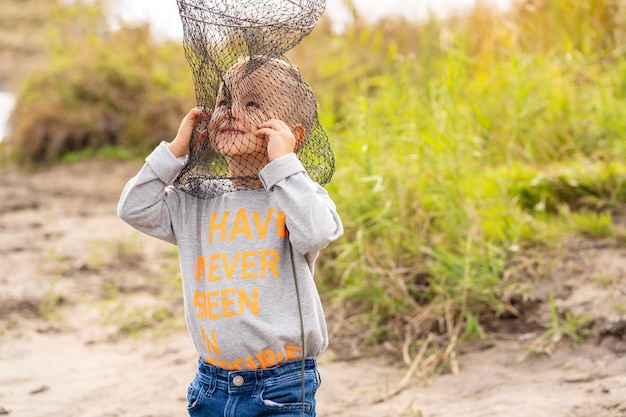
(247, 256)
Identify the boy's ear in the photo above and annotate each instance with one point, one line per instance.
(298, 132)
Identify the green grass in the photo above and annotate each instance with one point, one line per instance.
(457, 158)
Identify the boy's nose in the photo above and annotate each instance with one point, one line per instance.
(234, 110)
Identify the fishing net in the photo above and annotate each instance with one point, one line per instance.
(236, 50)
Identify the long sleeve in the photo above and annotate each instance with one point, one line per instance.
(147, 200)
(311, 215)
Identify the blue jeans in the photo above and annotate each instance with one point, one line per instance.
(277, 391)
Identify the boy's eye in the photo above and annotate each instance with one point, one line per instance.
(252, 104)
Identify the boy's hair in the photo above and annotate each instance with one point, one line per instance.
(301, 106)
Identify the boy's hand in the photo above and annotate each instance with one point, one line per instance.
(180, 145)
(280, 138)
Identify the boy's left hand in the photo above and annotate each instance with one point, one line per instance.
(280, 138)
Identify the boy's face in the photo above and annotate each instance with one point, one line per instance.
(243, 103)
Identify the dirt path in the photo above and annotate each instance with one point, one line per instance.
(91, 325)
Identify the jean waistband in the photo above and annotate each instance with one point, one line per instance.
(247, 380)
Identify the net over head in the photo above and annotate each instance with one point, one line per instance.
(242, 79)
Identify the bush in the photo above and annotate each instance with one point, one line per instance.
(99, 88)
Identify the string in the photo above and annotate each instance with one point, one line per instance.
(295, 280)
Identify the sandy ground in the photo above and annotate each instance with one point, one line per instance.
(91, 324)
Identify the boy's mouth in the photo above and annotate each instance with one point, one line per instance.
(231, 130)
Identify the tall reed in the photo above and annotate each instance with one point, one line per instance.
(459, 144)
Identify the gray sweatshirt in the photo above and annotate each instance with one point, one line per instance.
(239, 291)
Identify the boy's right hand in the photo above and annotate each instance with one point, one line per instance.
(180, 145)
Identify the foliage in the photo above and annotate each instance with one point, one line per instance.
(570, 326)
(462, 145)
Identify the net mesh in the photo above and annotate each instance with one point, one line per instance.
(236, 50)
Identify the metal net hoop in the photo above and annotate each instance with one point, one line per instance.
(217, 35)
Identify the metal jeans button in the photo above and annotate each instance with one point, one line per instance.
(238, 381)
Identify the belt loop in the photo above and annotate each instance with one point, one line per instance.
(258, 386)
(213, 385)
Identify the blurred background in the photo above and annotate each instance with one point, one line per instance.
(478, 144)
(23, 28)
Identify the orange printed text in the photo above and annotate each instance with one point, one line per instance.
(229, 302)
(244, 224)
(266, 359)
(248, 264)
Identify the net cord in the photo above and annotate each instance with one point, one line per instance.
(295, 280)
